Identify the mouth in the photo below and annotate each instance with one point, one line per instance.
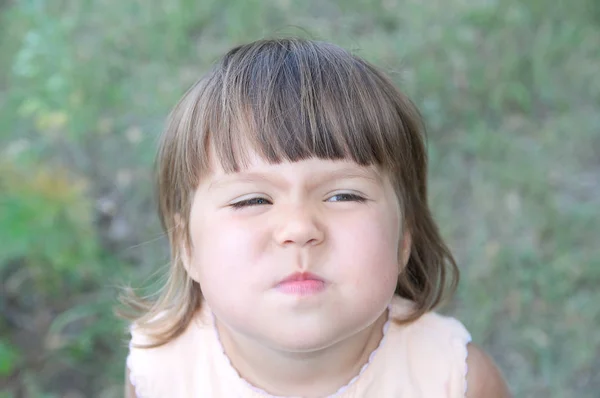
(301, 284)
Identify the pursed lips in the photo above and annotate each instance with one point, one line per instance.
(301, 284)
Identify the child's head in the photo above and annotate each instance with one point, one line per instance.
(296, 156)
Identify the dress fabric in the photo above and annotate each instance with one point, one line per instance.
(425, 358)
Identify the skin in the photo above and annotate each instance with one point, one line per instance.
(484, 379)
(252, 229)
(336, 219)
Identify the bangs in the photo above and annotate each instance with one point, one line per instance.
(292, 100)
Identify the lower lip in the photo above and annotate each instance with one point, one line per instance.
(302, 288)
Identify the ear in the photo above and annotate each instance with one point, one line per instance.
(405, 249)
(186, 260)
(184, 251)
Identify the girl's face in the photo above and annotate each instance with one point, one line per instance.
(296, 256)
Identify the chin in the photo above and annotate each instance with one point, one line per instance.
(303, 340)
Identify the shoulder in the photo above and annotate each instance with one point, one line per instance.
(431, 326)
(166, 369)
(147, 366)
(432, 350)
(443, 327)
(473, 372)
(440, 351)
(483, 377)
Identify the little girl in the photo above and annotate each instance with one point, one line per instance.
(305, 260)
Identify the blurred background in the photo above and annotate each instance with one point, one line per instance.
(510, 91)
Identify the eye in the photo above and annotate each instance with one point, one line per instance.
(250, 202)
(346, 197)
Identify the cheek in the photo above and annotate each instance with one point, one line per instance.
(368, 245)
(226, 246)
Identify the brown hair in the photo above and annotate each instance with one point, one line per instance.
(292, 99)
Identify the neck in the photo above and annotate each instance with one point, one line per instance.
(313, 374)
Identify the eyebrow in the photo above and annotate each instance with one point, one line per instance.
(271, 178)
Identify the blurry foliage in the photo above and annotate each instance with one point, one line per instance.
(56, 208)
(510, 91)
(9, 358)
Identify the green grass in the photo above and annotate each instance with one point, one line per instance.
(511, 94)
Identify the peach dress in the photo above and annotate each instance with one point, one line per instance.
(426, 358)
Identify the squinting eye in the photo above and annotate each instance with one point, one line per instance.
(346, 197)
(250, 202)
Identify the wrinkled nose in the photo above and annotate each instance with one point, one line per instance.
(298, 226)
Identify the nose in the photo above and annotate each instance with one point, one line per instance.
(298, 226)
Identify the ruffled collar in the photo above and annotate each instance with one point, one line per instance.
(263, 394)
